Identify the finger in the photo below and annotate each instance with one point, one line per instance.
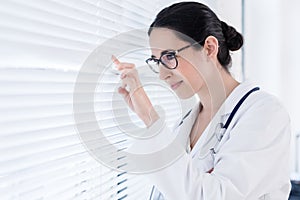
(128, 79)
(115, 60)
(125, 94)
(123, 91)
(128, 73)
(122, 66)
(124, 85)
(123, 75)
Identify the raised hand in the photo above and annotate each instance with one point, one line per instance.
(133, 92)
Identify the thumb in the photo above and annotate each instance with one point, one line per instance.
(115, 60)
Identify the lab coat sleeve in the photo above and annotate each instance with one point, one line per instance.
(153, 139)
(252, 162)
(154, 149)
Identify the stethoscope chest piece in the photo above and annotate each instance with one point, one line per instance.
(219, 131)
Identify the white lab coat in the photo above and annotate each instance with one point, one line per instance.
(251, 162)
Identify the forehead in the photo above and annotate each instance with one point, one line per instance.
(162, 39)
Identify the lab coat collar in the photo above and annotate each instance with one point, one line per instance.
(186, 124)
(227, 106)
(235, 96)
(184, 127)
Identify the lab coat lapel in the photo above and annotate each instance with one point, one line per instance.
(213, 132)
(184, 127)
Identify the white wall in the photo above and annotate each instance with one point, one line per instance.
(262, 43)
(290, 69)
(230, 11)
(272, 44)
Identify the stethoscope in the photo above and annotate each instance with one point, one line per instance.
(210, 146)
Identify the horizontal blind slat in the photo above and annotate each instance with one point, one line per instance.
(38, 131)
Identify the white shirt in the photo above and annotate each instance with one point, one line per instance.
(251, 162)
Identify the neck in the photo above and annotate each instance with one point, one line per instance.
(213, 97)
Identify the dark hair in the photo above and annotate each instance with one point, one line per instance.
(197, 21)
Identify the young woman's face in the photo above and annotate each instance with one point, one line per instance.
(187, 79)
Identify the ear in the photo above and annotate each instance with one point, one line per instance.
(211, 46)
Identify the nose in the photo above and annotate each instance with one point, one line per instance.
(164, 73)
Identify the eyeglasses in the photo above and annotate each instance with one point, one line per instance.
(168, 59)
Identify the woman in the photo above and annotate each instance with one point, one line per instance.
(236, 140)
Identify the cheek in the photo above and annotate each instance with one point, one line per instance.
(191, 74)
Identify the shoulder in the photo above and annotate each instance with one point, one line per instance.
(264, 101)
(264, 108)
(261, 120)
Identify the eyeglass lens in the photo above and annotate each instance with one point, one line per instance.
(168, 60)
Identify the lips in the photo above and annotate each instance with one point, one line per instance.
(176, 85)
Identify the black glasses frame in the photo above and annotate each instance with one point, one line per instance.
(172, 53)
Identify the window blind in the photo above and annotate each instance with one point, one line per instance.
(43, 46)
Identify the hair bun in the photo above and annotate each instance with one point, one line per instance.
(234, 39)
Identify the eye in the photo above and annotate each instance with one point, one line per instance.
(170, 56)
